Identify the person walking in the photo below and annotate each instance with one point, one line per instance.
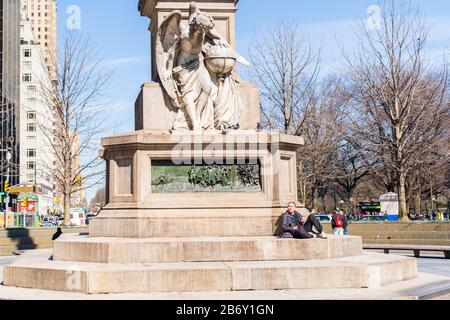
(339, 223)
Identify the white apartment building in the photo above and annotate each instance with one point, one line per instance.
(36, 155)
(43, 18)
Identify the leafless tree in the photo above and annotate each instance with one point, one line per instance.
(100, 198)
(350, 169)
(322, 131)
(79, 117)
(400, 97)
(285, 67)
(293, 101)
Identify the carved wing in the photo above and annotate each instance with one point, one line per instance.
(166, 51)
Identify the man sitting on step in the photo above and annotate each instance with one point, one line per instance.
(295, 225)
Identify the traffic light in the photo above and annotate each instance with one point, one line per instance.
(25, 202)
(78, 181)
(6, 184)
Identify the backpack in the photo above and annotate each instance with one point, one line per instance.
(339, 222)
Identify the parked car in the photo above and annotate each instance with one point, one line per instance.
(49, 221)
(324, 217)
(374, 218)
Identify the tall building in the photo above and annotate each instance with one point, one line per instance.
(36, 118)
(43, 17)
(9, 89)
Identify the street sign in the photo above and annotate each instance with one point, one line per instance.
(23, 189)
(30, 207)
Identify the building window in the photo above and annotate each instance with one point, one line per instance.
(30, 178)
(31, 127)
(26, 65)
(27, 53)
(31, 140)
(31, 165)
(26, 77)
(31, 90)
(31, 153)
(31, 102)
(31, 115)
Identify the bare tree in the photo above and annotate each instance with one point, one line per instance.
(286, 67)
(350, 169)
(79, 118)
(322, 131)
(400, 97)
(100, 198)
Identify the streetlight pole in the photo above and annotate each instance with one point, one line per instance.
(8, 159)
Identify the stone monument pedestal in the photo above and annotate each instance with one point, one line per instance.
(135, 209)
(125, 265)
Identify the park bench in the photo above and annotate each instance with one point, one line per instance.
(416, 249)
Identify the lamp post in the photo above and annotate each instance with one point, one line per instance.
(8, 160)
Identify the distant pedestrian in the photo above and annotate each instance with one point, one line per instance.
(434, 215)
(339, 223)
(57, 234)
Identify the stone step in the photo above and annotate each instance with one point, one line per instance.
(209, 249)
(9, 250)
(26, 240)
(154, 223)
(38, 232)
(370, 270)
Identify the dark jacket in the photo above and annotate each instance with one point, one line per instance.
(343, 218)
(288, 223)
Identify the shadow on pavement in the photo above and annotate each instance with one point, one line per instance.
(25, 242)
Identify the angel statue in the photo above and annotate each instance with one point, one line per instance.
(194, 65)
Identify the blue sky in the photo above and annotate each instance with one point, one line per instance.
(122, 35)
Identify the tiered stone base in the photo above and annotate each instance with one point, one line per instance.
(205, 264)
(206, 249)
